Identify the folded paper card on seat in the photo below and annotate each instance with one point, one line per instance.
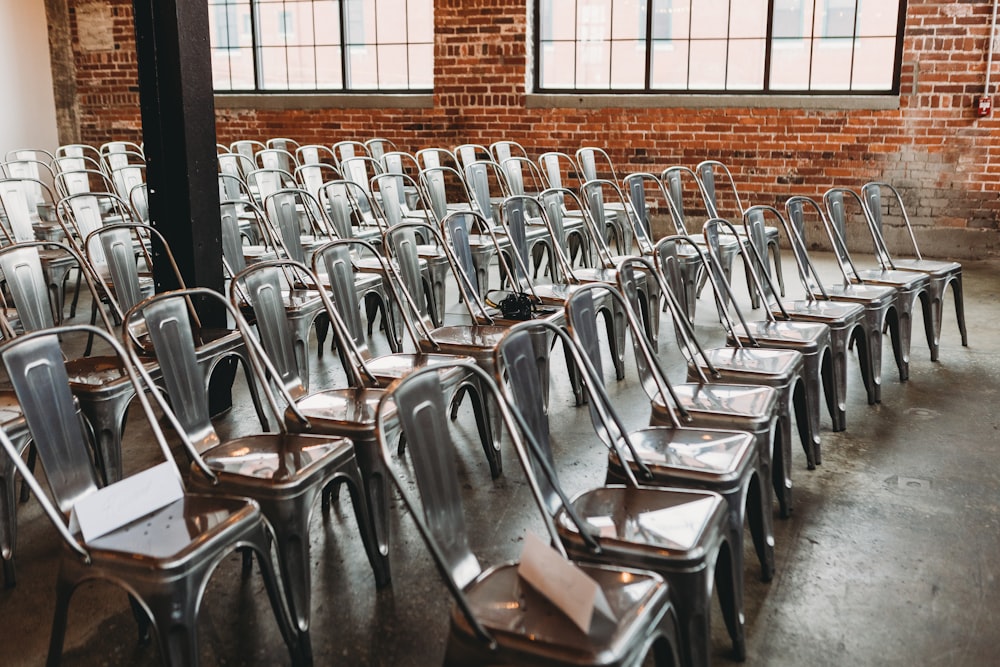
(564, 584)
(123, 502)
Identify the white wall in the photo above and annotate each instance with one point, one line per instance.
(27, 104)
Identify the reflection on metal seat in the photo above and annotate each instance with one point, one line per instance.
(498, 619)
(165, 556)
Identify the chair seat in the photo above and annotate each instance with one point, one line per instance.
(805, 337)
(933, 267)
(394, 366)
(832, 313)
(872, 295)
(473, 335)
(751, 404)
(272, 462)
(351, 409)
(906, 280)
(715, 458)
(671, 524)
(169, 537)
(520, 618)
(757, 362)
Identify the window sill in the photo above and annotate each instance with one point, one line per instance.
(306, 100)
(748, 100)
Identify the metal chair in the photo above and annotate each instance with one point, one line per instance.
(744, 483)
(743, 364)
(709, 174)
(909, 285)
(118, 246)
(941, 273)
(811, 339)
(13, 424)
(497, 619)
(687, 535)
(879, 301)
(284, 472)
(163, 559)
(846, 320)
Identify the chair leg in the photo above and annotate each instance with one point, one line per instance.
(64, 591)
(775, 250)
(614, 322)
(781, 455)
(175, 620)
(802, 420)
(930, 303)
(729, 584)
(485, 415)
(32, 459)
(957, 291)
(259, 543)
(758, 511)
(8, 522)
(374, 492)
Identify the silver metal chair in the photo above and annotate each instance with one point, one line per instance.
(909, 285)
(846, 320)
(639, 524)
(745, 365)
(879, 301)
(744, 484)
(165, 558)
(284, 472)
(884, 197)
(497, 619)
(811, 339)
(709, 173)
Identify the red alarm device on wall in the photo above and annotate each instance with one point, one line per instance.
(984, 105)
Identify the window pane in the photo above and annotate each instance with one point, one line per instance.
(270, 30)
(792, 18)
(710, 18)
(273, 68)
(790, 64)
(746, 64)
(392, 66)
(420, 18)
(748, 18)
(362, 73)
(708, 64)
(301, 67)
(878, 18)
(628, 64)
(593, 20)
(391, 22)
(628, 21)
(557, 65)
(873, 63)
(831, 64)
(679, 12)
(593, 67)
(326, 19)
(835, 18)
(328, 72)
(563, 19)
(669, 65)
(421, 66)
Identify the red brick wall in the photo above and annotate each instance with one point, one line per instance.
(945, 159)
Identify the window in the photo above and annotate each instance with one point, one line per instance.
(719, 46)
(322, 45)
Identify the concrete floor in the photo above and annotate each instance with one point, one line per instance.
(888, 558)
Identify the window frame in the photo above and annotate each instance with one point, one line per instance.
(554, 92)
(256, 49)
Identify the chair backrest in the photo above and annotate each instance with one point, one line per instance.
(19, 203)
(232, 246)
(236, 164)
(595, 163)
(506, 149)
(247, 148)
(444, 184)
(713, 176)
(276, 158)
(378, 146)
(315, 154)
(881, 199)
(516, 211)
(344, 150)
(841, 205)
(469, 153)
(483, 177)
(312, 176)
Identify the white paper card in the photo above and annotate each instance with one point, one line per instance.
(120, 503)
(562, 583)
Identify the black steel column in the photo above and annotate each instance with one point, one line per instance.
(178, 121)
(178, 129)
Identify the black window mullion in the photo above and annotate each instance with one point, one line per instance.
(648, 81)
(258, 55)
(768, 43)
(343, 44)
(900, 29)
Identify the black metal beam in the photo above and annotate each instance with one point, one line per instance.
(178, 130)
(178, 121)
